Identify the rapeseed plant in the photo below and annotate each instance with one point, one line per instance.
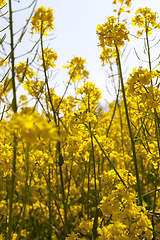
(72, 171)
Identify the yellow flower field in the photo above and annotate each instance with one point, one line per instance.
(68, 169)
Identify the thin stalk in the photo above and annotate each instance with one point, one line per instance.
(99, 176)
(93, 157)
(121, 125)
(148, 48)
(46, 79)
(150, 68)
(157, 132)
(62, 184)
(106, 155)
(14, 103)
(88, 189)
(3, 113)
(56, 226)
(113, 114)
(129, 126)
(56, 203)
(12, 189)
(154, 205)
(94, 229)
(95, 225)
(49, 204)
(14, 106)
(25, 192)
(146, 194)
(63, 94)
(58, 143)
(83, 205)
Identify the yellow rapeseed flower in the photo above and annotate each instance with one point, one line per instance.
(50, 57)
(77, 69)
(112, 33)
(2, 62)
(146, 19)
(126, 2)
(21, 69)
(32, 126)
(138, 79)
(42, 21)
(72, 236)
(2, 2)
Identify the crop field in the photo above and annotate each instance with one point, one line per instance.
(69, 169)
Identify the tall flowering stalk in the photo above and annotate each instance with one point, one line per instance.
(113, 35)
(42, 21)
(14, 107)
(146, 19)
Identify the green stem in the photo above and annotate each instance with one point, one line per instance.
(12, 189)
(106, 155)
(14, 103)
(99, 177)
(25, 192)
(148, 48)
(52, 194)
(113, 115)
(49, 204)
(88, 189)
(14, 106)
(94, 230)
(58, 143)
(129, 126)
(46, 79)
(157, 132)
(93, 157)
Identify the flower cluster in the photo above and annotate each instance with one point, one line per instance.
(49, 57)
(32, 126)
(23, 71)
(3, 62)
(107, 54)
(2, 2)
(145, 19)
(5, 88)
(126, 2)
(128, 220)
(112, 33)
(139, 85)
(138, 79)
(77, 69)
(42, 21)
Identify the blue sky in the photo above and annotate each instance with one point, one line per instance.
(74, 35)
